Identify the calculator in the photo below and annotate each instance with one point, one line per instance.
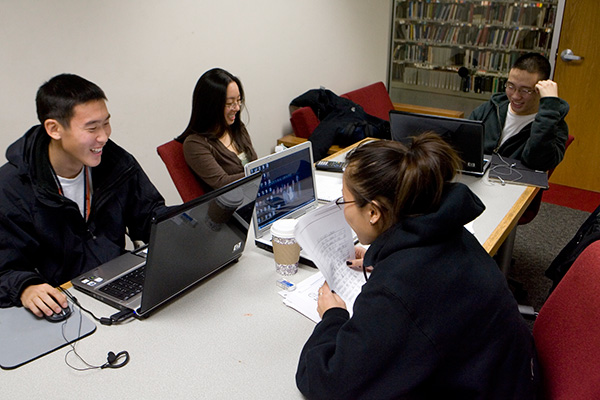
(332, 166)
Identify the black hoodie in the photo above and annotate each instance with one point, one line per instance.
(435, 320)
(43, 236)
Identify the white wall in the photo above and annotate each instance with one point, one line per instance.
(148, 54)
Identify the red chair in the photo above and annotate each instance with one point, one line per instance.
(188, 186)
(374, 99)
(534, 206)
(567, 332)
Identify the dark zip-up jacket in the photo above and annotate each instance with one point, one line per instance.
(43, 236)
(539, 145)
(435, 320)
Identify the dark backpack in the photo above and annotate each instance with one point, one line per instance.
(587, 234)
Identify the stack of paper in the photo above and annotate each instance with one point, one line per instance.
(327, 239)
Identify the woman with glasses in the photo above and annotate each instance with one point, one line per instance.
(527, 121)
(216, 143)
(435, 318)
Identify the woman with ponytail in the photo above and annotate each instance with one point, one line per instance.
(435, 318)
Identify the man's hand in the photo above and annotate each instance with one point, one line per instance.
(547, 88)
(43, 299)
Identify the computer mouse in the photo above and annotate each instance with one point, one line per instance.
(61, 316)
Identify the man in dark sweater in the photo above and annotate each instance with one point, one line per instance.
(68, 197)
(527, 122)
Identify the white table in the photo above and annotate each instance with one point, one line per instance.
(229, 337)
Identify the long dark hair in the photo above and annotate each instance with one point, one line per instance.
(403, 180)
(208, 105)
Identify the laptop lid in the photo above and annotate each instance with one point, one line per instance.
(287, 188)
(465, 135)
(187, 244)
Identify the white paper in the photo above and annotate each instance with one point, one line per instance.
(327, 238)
(304, 298)
(329, 188)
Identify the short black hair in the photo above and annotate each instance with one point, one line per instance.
(534, 63)
(57, 98)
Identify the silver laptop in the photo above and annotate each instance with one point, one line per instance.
(465, 136)
(187, 244)
(287, 190)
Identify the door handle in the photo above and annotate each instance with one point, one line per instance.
(568, 56)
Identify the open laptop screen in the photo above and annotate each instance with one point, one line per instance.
(287, 184)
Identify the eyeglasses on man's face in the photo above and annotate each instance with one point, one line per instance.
(340, 202)
(230, 105)
(510, 88)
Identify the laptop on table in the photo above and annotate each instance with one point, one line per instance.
(465, 136)
(287, 190)
(187, 244)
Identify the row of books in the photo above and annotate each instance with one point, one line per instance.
(450, 80)
(432, 78)
(490, 60)
(455, 57)
(495, 37)
(521, 39)
(441, 56)
(515, 14)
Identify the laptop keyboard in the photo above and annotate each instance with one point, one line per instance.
(126, 286)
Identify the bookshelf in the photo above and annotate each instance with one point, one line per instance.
(447, 53)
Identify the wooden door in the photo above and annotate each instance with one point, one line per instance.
(578, 85)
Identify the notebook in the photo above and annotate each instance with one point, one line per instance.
(465, 135)
(507, 170)
(287, 190)
(187, 244)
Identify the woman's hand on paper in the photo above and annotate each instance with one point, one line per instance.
(357, 263)
(328, 299)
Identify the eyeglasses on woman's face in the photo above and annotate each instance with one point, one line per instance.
(340, 202)
(230, 105)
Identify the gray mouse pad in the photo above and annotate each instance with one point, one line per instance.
(25, 337)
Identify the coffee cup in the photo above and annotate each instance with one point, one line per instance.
(285, 248)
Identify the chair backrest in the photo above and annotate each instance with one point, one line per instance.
(374, 99)
(188, 186)
(567, 331)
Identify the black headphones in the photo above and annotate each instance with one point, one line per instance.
(113, 358)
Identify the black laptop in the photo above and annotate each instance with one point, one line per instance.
(465, 136)
(187, 244)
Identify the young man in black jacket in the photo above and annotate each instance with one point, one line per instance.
(68, 197)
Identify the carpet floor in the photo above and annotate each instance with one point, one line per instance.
(536, 246)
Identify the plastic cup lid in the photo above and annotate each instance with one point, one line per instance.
(283, 228)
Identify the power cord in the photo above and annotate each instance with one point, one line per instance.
(113, 319)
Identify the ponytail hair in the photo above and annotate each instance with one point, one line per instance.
(403, 180)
